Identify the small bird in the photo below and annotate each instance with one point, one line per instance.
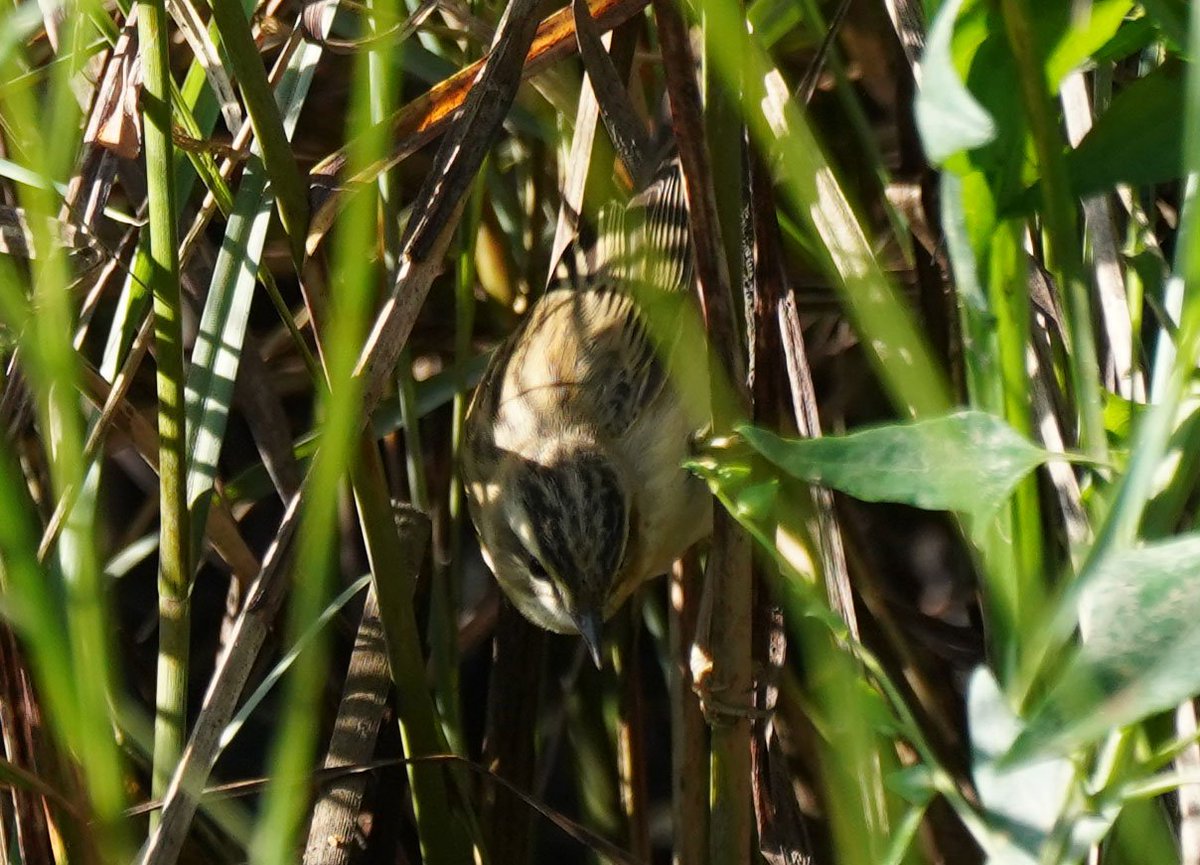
(577, 433)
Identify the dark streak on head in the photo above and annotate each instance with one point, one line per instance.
(578, 517)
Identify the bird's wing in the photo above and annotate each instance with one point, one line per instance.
(585, 354)
(585, 359)
(480, 452)
(622, 372)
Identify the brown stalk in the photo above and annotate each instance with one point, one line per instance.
(782, 834)
(427, 116)
(439, 204)
(631, 737)
(510, 745)
(689, 734)
(729, 584)
(333, 828)
(21, 733)
(575, 831)
(625, 128)
(581, 162)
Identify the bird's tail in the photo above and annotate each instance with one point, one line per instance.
(648, 241)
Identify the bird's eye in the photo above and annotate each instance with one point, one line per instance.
(536, 569)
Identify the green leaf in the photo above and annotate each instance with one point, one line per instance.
(968, 462)
(771, 20)
(1137, 140)
(217, 354)
(1137, 613)
(1171, 16)
(903, 835)
(268, 120)
(757, 501)
(1132, 37)
(948, 117)
(1120, 416)
(1075, 31)
(1021, 804)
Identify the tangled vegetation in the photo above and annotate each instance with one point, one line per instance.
(253, 260)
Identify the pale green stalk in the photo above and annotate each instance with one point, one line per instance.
(170, 722)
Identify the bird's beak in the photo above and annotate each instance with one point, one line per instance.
(589, 628)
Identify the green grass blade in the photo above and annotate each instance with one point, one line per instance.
(355, 273)
(44, 135)
(1061, 225)
(267, 120)
(217, 352)
(1177, 357)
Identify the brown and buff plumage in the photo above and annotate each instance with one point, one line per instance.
(577, 433)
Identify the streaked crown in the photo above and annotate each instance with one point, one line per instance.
(571, 515)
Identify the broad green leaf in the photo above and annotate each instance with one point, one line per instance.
(1021, 804)
(1132, 37)
(1137, 140)
(1169, 506)
(967, 462)
(1067, 35)
(1137, 613)
(948, 117)
(1143, 831)
(743, 493)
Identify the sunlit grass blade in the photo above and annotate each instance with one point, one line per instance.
(216, 357)
(811, 188)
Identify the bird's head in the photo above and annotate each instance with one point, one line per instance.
(559, 538)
